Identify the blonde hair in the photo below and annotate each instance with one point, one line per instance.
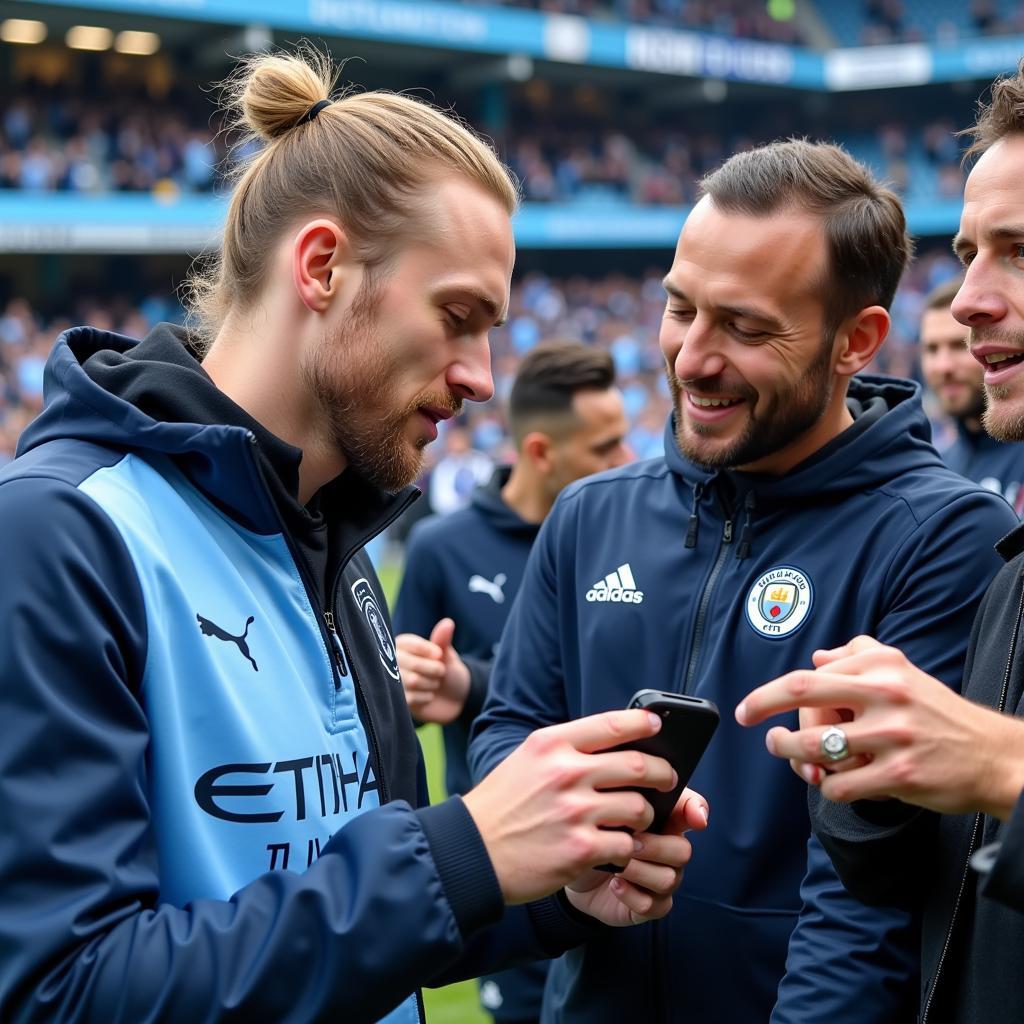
(366, 158)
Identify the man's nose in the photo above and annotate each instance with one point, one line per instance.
(700, 355)
(980, 300)
(469, 377)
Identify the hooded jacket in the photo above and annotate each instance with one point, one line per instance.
(964, 873)
(993, 464)
(662, 575)
(208, 773)
(467, 565)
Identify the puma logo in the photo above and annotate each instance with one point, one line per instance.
(478, 585)
(208, 628)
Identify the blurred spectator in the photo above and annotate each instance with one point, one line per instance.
(458, 472)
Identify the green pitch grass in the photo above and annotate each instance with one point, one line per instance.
(455, 1004)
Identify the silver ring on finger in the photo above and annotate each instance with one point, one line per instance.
(834, 744)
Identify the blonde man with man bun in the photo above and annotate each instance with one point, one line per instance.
(211, 796)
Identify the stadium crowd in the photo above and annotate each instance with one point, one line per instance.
(53, 142)
(617, 312)
(737, 18)
(871, 22)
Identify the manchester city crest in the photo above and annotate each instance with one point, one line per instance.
(779, 601)
(364, 596)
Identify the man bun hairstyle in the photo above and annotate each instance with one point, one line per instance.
(1002, 115)
(865, 228)
(549, 377)
(365, 158)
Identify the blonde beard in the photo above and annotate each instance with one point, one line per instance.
(1006, 423)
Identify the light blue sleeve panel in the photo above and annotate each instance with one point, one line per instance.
(256, 757)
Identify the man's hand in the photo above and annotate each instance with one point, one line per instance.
(643, 890)
(435, 678)
(909, 735)
(547, 812)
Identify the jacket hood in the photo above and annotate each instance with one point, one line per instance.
(110, 390)
(489, 502)
(891, 435)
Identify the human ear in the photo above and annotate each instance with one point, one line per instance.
(537, 447)
(321, 258)
(859, 338)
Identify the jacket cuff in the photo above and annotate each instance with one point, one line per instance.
(560, 926)
(861, 821)
(462, 862)
(1005, 879)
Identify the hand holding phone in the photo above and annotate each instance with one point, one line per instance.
(687, 725)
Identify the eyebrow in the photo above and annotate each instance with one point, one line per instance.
(492, 309)
(482, 299)
(961, 242)
(748, 312)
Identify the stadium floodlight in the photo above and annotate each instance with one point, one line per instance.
(22, 30)
(89, 37)
(140, 43)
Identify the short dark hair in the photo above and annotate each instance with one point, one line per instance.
(548, 379)
(865, 228)
(942, 295)
(1002, 115)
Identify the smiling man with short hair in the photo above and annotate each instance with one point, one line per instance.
(797, 500)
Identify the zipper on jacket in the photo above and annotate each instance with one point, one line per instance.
(705, 601)
(305, 573)
(343, 652)
(338, 644)
(975, 831)
(339, 651)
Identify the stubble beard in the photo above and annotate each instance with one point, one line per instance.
(350, 374)
(1003, 418)
(784, 417)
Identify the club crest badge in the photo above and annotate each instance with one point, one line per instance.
(779, 602)
(364, 596)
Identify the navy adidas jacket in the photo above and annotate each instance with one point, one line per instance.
(994, 464)
(662, 575)
(208, 781)
(467, 565)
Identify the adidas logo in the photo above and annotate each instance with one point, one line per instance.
(617, 587)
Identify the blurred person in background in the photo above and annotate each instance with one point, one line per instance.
(958, 382)
(797, 502)
(458, 472)
(462, 571)
(212, 801)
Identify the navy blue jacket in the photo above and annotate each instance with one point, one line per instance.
(995, 465)
(208, 782)
(662, 575)
(467, 565)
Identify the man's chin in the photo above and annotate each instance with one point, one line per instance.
(1004, 417)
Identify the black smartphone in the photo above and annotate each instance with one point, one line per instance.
(687, 725)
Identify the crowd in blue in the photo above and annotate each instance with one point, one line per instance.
(619, 312)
